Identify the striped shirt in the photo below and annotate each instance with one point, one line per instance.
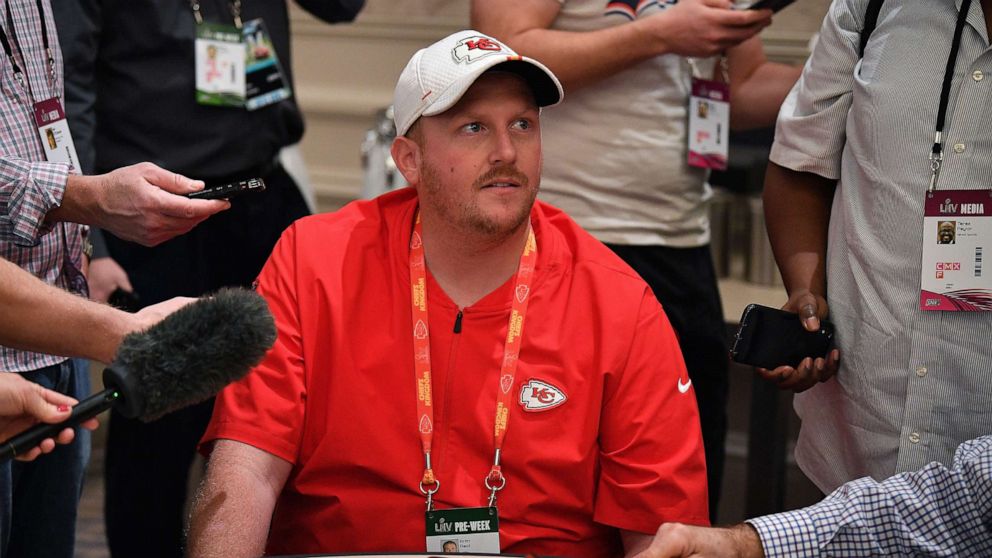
(931, 512)
(912, 385)
(30, 187)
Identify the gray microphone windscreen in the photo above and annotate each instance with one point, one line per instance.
(191, 354)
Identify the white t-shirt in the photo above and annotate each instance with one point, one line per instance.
(615, 152)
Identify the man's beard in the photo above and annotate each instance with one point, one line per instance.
(468, 214)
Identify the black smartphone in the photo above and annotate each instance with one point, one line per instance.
(124, 300)
(769, 338)
(773, 5)
(228, 191)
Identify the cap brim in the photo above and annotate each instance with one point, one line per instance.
(547, 90)
(545, 86)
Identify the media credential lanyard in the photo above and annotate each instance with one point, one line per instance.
(937, 151)
(957, 223)
(50, 121)
(494, 481)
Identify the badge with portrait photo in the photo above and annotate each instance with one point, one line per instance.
(265, 83)
(53, 129)
(709, 124)
(220, 65)
(463, 530)
(957, 225)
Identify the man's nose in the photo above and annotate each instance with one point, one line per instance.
(504, 150)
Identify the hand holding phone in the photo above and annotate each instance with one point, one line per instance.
(228, 191)
(769, 338)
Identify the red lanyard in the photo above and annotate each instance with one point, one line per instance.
(495, 481)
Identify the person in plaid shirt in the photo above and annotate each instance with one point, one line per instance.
(935, 511)
(41, 206)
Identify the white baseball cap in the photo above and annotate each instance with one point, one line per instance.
(437, 76)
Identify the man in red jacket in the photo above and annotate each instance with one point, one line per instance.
(459, 347)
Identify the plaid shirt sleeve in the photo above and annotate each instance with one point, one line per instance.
(28, 191)
(934, 512)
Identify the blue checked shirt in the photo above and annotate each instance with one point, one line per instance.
(930, 512)
(30, 187)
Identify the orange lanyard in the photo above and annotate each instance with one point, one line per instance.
(495, 481)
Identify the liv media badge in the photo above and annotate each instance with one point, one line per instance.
(957, 227)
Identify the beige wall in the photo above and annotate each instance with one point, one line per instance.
(345, 73)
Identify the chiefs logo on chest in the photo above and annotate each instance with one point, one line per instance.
(537, 395)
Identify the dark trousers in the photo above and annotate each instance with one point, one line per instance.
(684, 281)
(147, 464)
(39, 499)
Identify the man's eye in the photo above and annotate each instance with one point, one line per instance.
(474, 127)
(522, 124)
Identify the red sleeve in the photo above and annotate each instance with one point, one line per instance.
(653, 466)
(266, 408)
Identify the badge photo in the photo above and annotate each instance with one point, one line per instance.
(220, 65)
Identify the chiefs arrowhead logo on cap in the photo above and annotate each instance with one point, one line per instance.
(476, 48)
(537, 395)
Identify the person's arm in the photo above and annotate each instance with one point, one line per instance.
(256, 428)
(757, 86)
(137, 203)
(142, 203)
(934, 511)
(28, 191)
(797, 216)
(652, 466)
(810, 136)
(233, 506)
(39, 317)
(333, 11)
(579, 58)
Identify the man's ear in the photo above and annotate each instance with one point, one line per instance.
(406, 155)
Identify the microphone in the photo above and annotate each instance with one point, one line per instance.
(184, 359)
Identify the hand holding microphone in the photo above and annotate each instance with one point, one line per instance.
(24, 403)
(184, 359)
